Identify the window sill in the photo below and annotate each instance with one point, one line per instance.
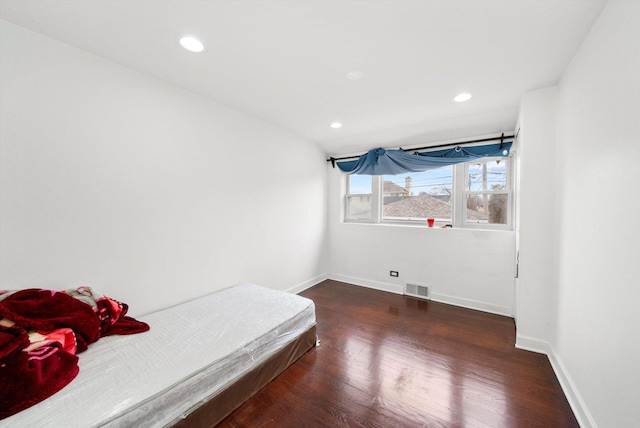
(420, 225)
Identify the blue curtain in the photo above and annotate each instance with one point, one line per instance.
(392, 162)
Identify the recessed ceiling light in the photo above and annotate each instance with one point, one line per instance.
(354, 75)
(192, 44)
(460, 98)
(336, 125)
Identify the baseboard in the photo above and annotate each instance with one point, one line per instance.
(472, 304)
(307, 284)
(436, 297)
(376, 285)
(531, 344)
(568, 387)
(571, 392)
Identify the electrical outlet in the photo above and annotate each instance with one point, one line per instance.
(393, 273)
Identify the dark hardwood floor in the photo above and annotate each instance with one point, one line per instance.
(387, 360)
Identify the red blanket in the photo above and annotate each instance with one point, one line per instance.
(40, 333)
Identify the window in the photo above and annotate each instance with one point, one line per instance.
(358, 198)
(473, 194)
(418, 196)
(486, 193)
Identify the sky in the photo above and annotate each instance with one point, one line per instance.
(436, 181)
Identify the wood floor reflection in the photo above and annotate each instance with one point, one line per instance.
(387, 360)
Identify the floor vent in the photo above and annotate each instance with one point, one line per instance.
(415, 290)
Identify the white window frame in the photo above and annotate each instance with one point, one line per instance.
(458, 201)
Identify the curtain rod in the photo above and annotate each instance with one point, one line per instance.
(460, 143)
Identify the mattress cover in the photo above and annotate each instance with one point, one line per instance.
(192, 351)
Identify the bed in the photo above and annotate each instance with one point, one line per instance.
(199, 361)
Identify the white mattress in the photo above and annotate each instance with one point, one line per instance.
(192, 351)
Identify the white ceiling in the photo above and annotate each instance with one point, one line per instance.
(286, 61)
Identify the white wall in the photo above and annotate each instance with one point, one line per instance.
(597, 336)
(536, 211)
(145, 191)
(472, 268)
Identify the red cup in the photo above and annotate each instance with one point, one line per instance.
(430, 222)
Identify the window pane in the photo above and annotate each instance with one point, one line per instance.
(359, 197)
(359, 184)
(487, 175)
(418, 195)
(487, 208)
